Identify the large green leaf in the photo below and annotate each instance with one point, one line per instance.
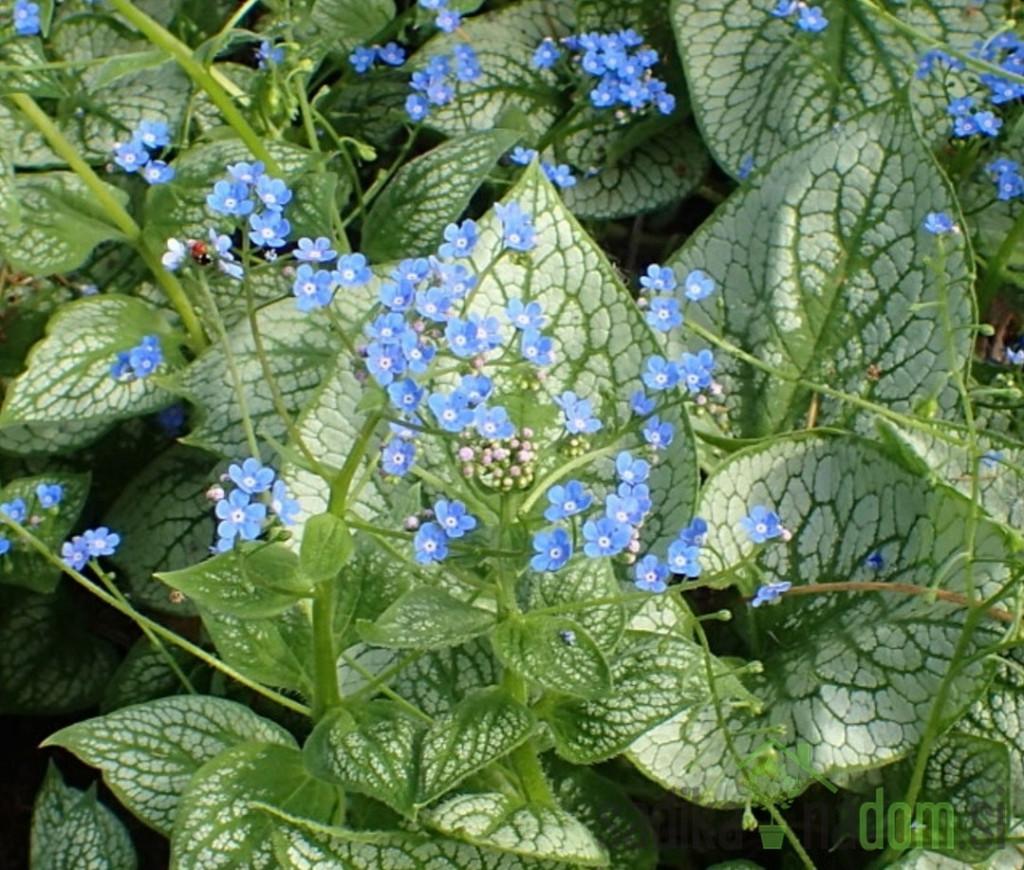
(425, 618)
(761, 86)
(72, 830)
(300, 350)
(440, 679)
(217, 824)
(409, 217)
(823, 273)
(501, 822)
(61, 223)
(166, 523)
(148, 752)
(49, 663)
(68, 380)
(851, 676)
(27, 567)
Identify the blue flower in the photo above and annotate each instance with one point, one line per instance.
(561, 175)
(5, 546)
(695, 370)
(625, 510)
(273, 192)
(1014, 357)
(131, 156)
(384, 361)
(517, 229)
(456, 279)
(659, 279)
(525, 315)
(684, 559)
(746, 167)
(467, 338)
(99, 542)
(416, 353)
(139, 362)
(698, 285)
(939, 224)
(286, 508)
(251, 476)
(269, 230)
(49, 495)
(475, 388)
(389, 327)
(398, 456)
(239, 517)
(658, 434)
(693, 535)
(493, 423)
(392, 54)
(761, 524)
(650, 575)
(579, 415)
(546, 55)
(267, 54)
(315, 251)
(770, 592)
(522, 155)
(630, 470)
(453, 518)
(448, 20)
(416, 107)
(988, 123)
(246, 173)
(362, 58)
(352, 270)
(661, 374)
(431, 543)
(553, 550)
(171, 420)
(175, 255)
(16, 510)
(230, 198)
(435, 304)
(460, 239)
(452, 412)
(312, 288)
(605, 537)
(396, 295)
(537, 348)
(640, 404)
(405, 395)
(640, 491)
(811, 19)
(153, 134)
(874, 561)
(26, 18)
(467, 67)
(157, 172)
(72, 553)
(663, 314)
(567, 500)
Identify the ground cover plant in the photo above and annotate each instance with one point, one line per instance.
(559, 433)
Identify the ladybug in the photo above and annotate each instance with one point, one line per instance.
(200, 252)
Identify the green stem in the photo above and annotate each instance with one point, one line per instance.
(780, 820)
(159, 630)
(117, 214)
(524, 758)
(326, 692)
(164, 39)
(343, 481)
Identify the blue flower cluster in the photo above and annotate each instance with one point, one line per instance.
(435, 84)
(91, 544)
(451, 521)
(135, 155)
(967, 122)
(365, 56)
(48, 498)
(138, 362)
(624, 76)
(26, 18)
(446, 19)
(663, 309)
(810, 19)
(248, 188)
(1007, 177)
(242, 514)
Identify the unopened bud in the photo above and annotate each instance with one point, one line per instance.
(215, 492)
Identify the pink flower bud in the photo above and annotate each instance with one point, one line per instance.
(215, 492)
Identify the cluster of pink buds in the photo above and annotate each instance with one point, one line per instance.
(500, 463)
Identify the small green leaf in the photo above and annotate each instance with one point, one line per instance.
(61, 223)
(326, 546)
(49, 663)
(24, 566)
(72, 830)
(533, 647)
(408, 218)
(217, 824)
(148, 752)
(369, 748)
(426, 618)
(501, 822)
(68, 379)
(254, 580)
(484, 727)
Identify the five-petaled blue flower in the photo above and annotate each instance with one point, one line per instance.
(286, 508)
(251, 476)
(546, 54)
(553, 550)
(939, 224)
(517, 229)
(698, 285)
(49, 495)
(579, 415)
(352, 270)
(15, 510)
(269, 229)
(684, 559)
(312, 288)
(460, 239)
(430, 543)
(605, 537)
(453, 519)
(567, 500)
(650, 575)
(659, 279)
(761, 524)
(239, 517)
(26, 18)
(398, 456)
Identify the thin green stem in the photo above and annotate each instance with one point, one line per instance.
(343, 480)
(326, 691)
(158, 629)
(182, 54)
(794, 841)
(118, 215)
